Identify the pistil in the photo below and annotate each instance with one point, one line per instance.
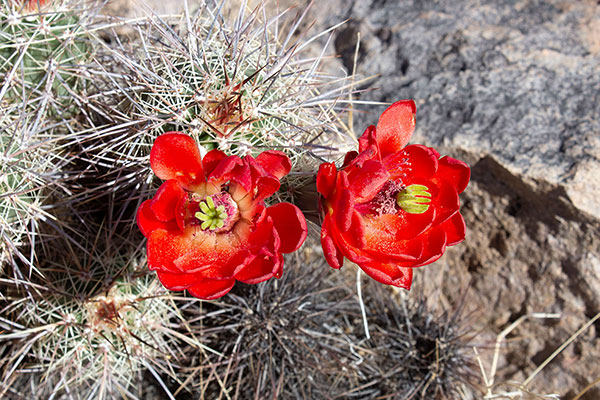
(217, 213)
(414, 198)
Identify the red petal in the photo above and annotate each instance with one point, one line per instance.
(344, 204)
(389, 274)
(356, 233)
(415, 161)
(387, 239)
(455, 229)
(262, 268)
(290, 224)
(368, 139)
(177, 281)
(165, 201)
(454, 171)
(211, 160)
(348, 158)
(265, 183)
(181, 212)
(176, 156)
(333, 255)
(326, 179)
(264, 237)
(403, 226)
(367, 181)
(444, 199)
(147, 221)
(236, 263)
(209, 253)
(232, 168)
(353, 253)
(211, 289)
(396, 126)
(164, 247)
(265, 187)
(275, 163)
(434, 245)
(370, 153)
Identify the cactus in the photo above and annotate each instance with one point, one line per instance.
(243, 88)
(27, 177)
(41, 44)
(96, 323)
(39, 50)
(283, 338)
(417, 349)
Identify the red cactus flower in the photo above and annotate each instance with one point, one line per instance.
(391, 207)
(207, 226)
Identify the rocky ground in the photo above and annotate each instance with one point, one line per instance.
(513, 87)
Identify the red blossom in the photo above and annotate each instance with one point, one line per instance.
(391, 207)
(207, 226)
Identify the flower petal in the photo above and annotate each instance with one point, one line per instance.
(176, 156)
(147, 221)
(275, 163)
(211, 289)
(232, 168)
(368, 139)
(211, 160)
(368, 180)
(290, 224)
(164, 247)
(445, 200)
(178, 282)
(415, 161)
(455, 229)
(404, 226)
(265, 183)
(326, 179)
(165, 201)
(389, 274)
(262, 268)
(333, 254)
(265, 187)
(434, 245)
(348, 158)
(210, 252)
(386, 238)
(344, 203)
(395, 126)
(356, 233)
(454, 171)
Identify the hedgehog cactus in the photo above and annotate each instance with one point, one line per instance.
(40, 45)
(241, 88)
(26, 170)
(95, 323)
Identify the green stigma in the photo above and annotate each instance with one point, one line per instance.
(212, 217)
(413, 199)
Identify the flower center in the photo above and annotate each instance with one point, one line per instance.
(394, 196)
(413, 199)
(217, 213)
(384, 202)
